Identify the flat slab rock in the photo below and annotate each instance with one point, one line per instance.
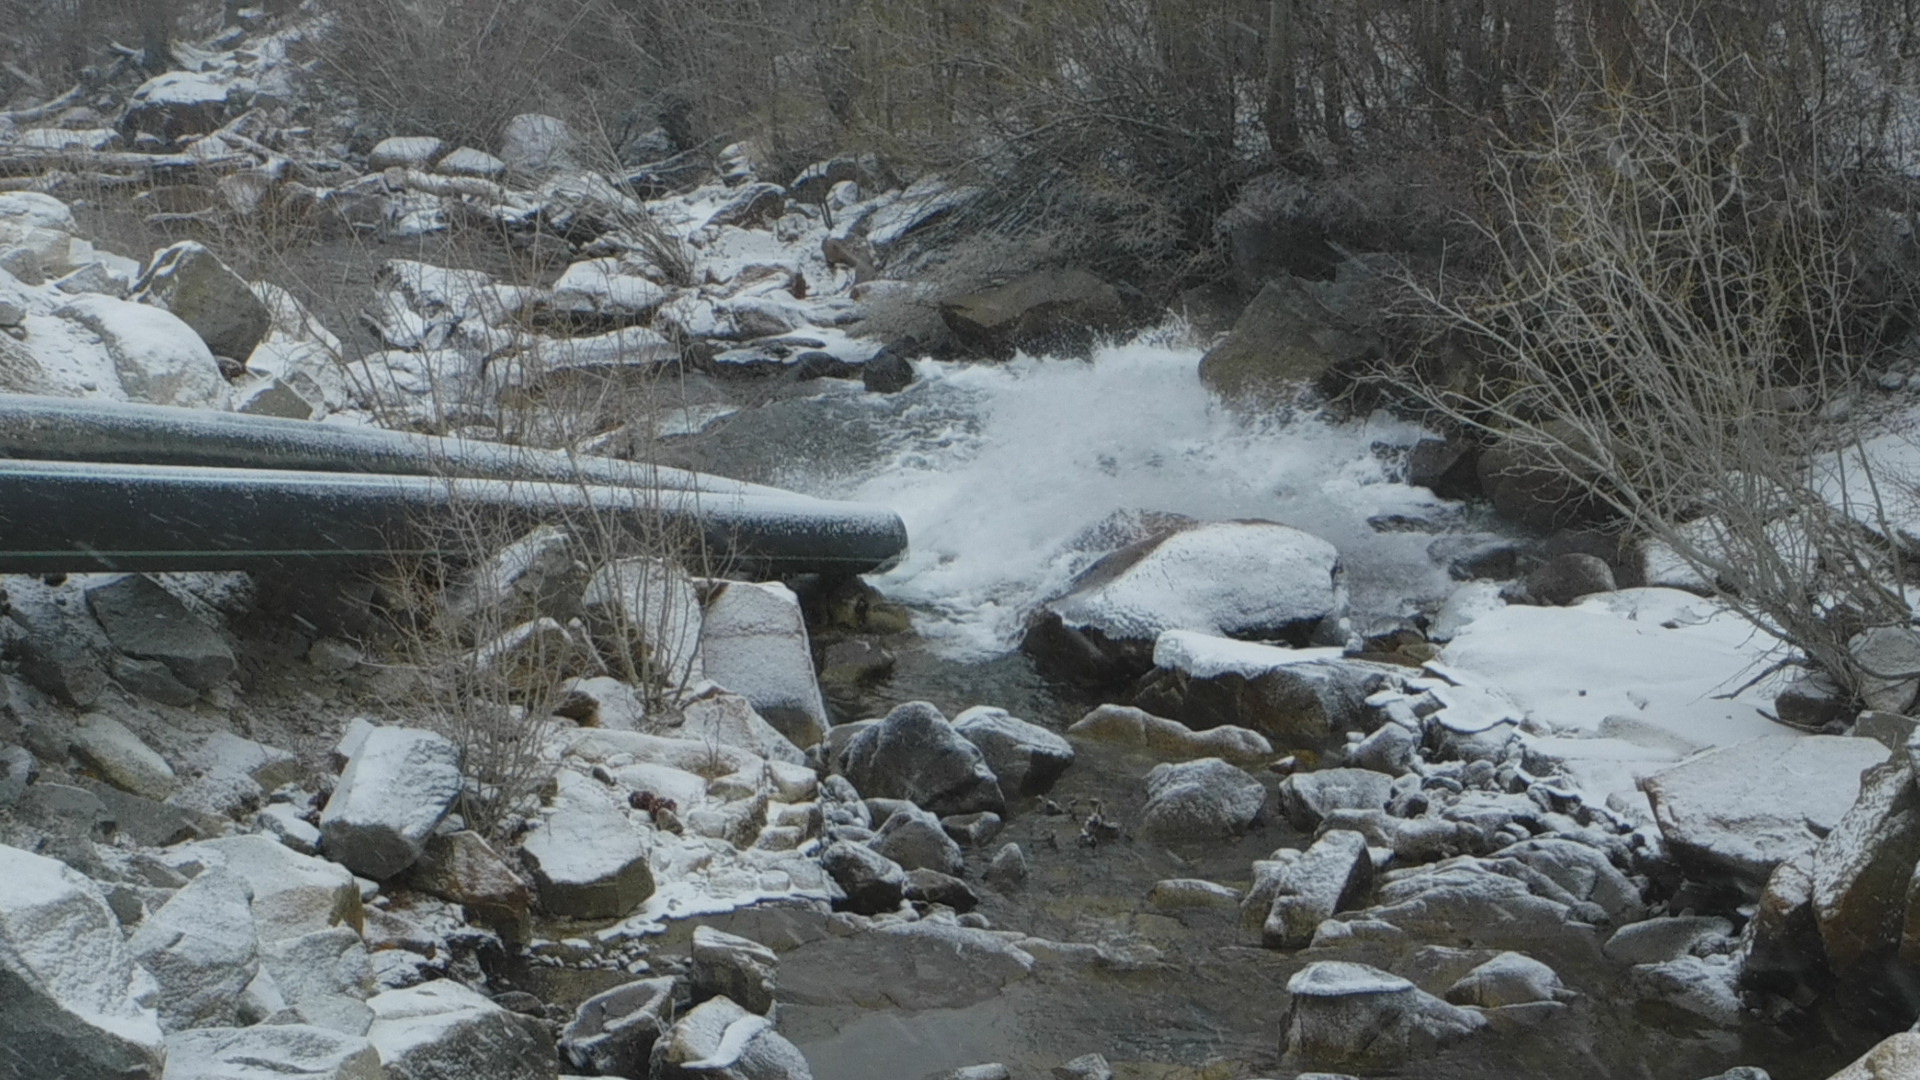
(1745, 809)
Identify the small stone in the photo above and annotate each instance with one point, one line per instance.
(1008, 870)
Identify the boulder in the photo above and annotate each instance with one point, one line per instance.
(1008, 868)
(1309, 797)
(271, 1052)
(1333, 874)
(1285, 341)
(1206, 799)
(462, 868)
(719, 1040)
(1025, 757)
(915, 839)
(70, 986)
(729, 720)
(175, 104)
(753, 641)
(1862, 870)
(122, 758)
(871, 883)
(1742, 810)
(1889, 660)
(1537, 488)
(406, 151)
(38, 226)
(467, 161)
(1510, 978)
(1896, 1057)
(887, 372)
(293, 894)
(443, 1031)
(613, 1032)
(933, 887)
(1445, 466)
(1308, 701)
(147, 622)
(201, 948)
(1169, 740)
(535, 146)
(1347, 1015)
(324, 978)
(1047, 311)
(397, 787)
(1655, 941)
(1084, 1067)
(734, 968)
(1229, 579)
(915, 754)
(1785, 956)
(1565, 578)
(646, 612)
(588, 859)
(158, 359)
(192, 283)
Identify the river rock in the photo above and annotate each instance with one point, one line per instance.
(1862, 869)
(1346, 1015)
(1008, 868)
(915, 840)
(535, 146)
(1332, 874)
(396, 788)
(1206, 799)
(1896, 1057)
(158, 358)
(407, 151)
(1286, 340)
(68, 981)
(462, 868)
(915, 754)
(443, 1031)
(1299, 699)
(1510, 978)
(872, 883)
(38, 226)
(1565, 578)
(192, 283)
(122, 758)
(175, 104)
(1655, 941)
(1025, 757)
(1170, 740)
(1742, 810)
(1307, 798)
(754, 642)
(1529, 485)
(201, 948)
(293, 894)
(1229, 579)
(1084, 1067)
(613, 1032)
(926, 886)
(646, 612)
(719, 1040)
(734, 968)
(271, 1052)
(147, 622)
(1463, 899)
(1889, 659)
(730, 720)
(589, 861)
(324, 978)
(1045, 311)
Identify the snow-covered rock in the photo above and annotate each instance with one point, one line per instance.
(176, 104)
(271, 1052)
(1889, 657)
(1206, 799)
(1025, 757)
(607, 288)
(462, 868)
(915, 754)
(397, 786)
(649, 610)
(293, 894)
(70, 986)
(1169, 740)
(441, 1030)
(1334, 873)
(731, 720)
(534, 145)
(39, 223)
(588, 859)
(1345, 1015)
(741, 970)
(613, 1032)
(1741, 810)
(1510, 978)
(192, 283)
(719, 1040)
(1862, 870)
(753, 641)
(411, 151)
(200, 948)
(324, 978)
(467, 161)
(914, 839)
(120, 756)
(158, 358)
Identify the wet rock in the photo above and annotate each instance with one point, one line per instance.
(915, 754)
(147, 622)
(1008, 868)
(613, 1032)
(1566, 578)
(1889, 659)
(1446, 466)
(1169, 740)
(1084, 1067)
(122, 758)
(271, 1052)
(993, 1071)
(1050, 311)
(70, 984)
(1227, 579)
(887, 372)
(1529, 485)
(1510, 978)
(200, 947)
(915, 840)
(1342, 1014)
(1285, 341)
(1026, 758)
(293, 894)
(442, 1030)
(1742, 810)
(873, 883)
(1463, 899)
(324, 978)
(462, 868)
(719, 1040)
(754, 643)
(1656, 941)
(1206, 799)
(203, 292)
(926, 886)
(397, 787)
(589, 861)
(734, 968)
(1476, 557)
(1745, 1072)
(59, 656)
(1862, 869)
(1307, 798)
(1332, 874)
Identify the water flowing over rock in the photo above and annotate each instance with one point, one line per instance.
(397, 787)
(915, 754)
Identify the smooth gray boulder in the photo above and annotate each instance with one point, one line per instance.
(735, 968)
(915, 754)
(201, 948)
(1656, 941)
(1510, 978)
(1347, 1015)
(122, 757)
(1206, 799)
(753, 641)
(271, 1052)
(916, 840)
(399, 784)
(719, 1040)
(872, 883)
(69, 984)
(613, 1032)
(206, 294)
(1026, 757)
(443, 1031)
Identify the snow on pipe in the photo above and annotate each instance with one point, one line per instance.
(66, 429)
(72, 517)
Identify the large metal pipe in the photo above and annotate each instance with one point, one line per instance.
(65, 429)
(69, 517)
